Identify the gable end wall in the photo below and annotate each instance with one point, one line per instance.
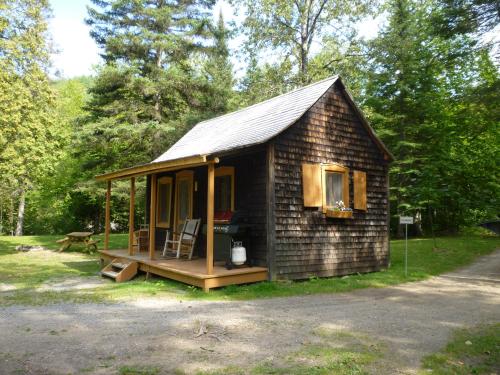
(307, 243)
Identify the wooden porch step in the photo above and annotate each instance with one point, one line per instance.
(119, 265)
(111, 274)
(120, 271)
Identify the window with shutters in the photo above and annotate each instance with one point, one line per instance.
(164, 199)
(335, 187)
(327, 186)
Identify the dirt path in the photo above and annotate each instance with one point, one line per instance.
(408, 321)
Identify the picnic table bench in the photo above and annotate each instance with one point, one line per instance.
(78, 237)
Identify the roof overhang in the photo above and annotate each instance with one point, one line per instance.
(163, 166)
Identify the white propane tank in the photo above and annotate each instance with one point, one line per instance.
(238, 254)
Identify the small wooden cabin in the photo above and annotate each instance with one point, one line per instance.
(301, 179)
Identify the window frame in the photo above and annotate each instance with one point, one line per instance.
(187, 175)
(226, 171)
(334, 168)
(165, 180)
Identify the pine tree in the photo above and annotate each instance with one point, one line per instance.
(219, 70)
(148, 83)
(155, 38)
(466, 16)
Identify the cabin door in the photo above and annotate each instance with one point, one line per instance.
(183, 198)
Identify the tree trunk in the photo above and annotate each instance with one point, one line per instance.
(303, 64)
(96, 220)
(20, 213)
(1, 218)
(11, 216)
(418, 223)
(157, 97)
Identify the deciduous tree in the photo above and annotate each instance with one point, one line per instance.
(291, 27)
(29, 135)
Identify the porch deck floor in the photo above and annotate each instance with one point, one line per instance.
(189, 271)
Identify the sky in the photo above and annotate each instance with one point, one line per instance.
(76, 51)
(77, 54)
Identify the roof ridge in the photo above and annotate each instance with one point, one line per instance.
(333, 78)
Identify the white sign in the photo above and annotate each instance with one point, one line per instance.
(405, 220)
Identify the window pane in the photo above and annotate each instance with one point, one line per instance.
(222, 193)
(334, 188)
(164, 202)
(183, 199)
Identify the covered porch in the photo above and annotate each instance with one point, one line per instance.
(193, 272)
(173, 189)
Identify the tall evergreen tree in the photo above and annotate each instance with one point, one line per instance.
(149, 90)
(148, 82)
(151, 36)
(414, 96)
(219, 70)
(466, 16)
(29, 136)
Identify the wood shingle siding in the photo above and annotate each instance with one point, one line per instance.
(308, 243)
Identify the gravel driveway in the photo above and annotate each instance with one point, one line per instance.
(408, 321)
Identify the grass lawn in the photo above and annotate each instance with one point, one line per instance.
(471, 351)
(24, 275)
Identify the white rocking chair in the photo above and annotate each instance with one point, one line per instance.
(186, 241)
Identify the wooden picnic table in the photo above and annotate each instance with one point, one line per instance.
(78, 237)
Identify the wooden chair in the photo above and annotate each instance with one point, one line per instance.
(185, 242)
(141, 240)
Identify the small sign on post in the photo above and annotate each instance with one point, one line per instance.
(406, 220)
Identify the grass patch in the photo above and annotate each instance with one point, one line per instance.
(8, 243)
(25, 270)
(22, 274)
(138, 370)
(471, 351)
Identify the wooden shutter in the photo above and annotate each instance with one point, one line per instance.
(359, 190)
(311, 185)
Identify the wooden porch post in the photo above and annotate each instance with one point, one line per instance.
(107, 216)
(131, 213)
(210, 219)
(152, 218)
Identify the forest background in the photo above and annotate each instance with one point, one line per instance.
(428, 82)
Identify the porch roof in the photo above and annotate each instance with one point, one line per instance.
(156, 167)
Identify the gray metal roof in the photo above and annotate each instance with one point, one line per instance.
(249, 126)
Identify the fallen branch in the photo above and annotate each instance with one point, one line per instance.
(208, 350)
(203, 330)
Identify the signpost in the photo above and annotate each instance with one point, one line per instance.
(406, 220)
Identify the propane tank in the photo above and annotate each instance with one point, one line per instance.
(238, 254)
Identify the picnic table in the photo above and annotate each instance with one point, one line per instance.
(78, 237)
